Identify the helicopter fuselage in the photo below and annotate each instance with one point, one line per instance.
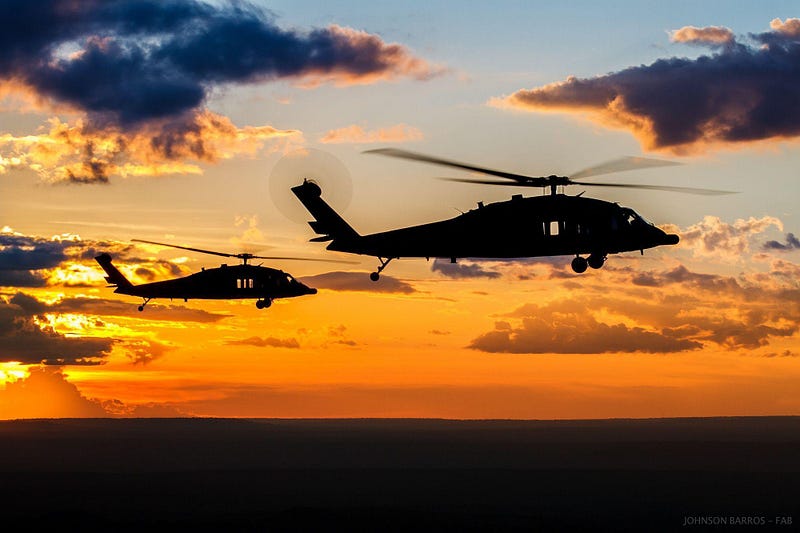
(223, 283)
(521, 227)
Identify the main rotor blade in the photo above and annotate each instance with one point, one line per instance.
(186, 248)
(623, 164)
(533, 182)
(275, 257)
(413, 156)
(247, 256)
(688, 190)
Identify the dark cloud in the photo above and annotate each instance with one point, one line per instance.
(26, 338)
(132, 61)
(571, 328)
(357, 281)
(740, 93)
(25, 252)
(462, 270)
(28, 341)
(792, 243)
(272, 342)
(20, 252)
(21, 278)
(106, 307)
(142, 71)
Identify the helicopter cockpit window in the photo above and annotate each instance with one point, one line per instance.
(633, 218)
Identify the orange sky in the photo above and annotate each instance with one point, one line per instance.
(709, 327)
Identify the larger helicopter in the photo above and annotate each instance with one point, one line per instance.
(550, 225)
(257, 282)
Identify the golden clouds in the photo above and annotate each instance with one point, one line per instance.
(79, 153)
(712, 237)
(358, 135)
(789, 27)
(714, 35)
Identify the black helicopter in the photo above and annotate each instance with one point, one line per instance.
(548, 225)
(223, 283)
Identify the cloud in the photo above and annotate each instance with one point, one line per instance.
(357, 281)
(28, 330)
(636, 309)
(789, 27)
(741, 93)
(357, 135)
(272, 342)
(68, 260)
(145, 351)
(712, 237)
(792, 243)
(131, 61)
(46, 393)
(26, 339)
(708, 36)
(82, 153)
(106, 307)
(569, 327)
(140, 73)
(462, 270)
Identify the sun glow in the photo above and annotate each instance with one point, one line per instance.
(13, 371)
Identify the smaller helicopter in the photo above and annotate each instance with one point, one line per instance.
(222, 283)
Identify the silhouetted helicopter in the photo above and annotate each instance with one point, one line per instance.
(223, 283)
(548, 225)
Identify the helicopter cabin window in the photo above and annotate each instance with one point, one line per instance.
(244, 283)
(554, 228)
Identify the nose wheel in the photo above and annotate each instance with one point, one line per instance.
(141, 307)
(263, 304)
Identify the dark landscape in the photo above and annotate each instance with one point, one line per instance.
(274, 474)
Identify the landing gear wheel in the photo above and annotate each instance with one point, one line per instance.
(141, 308)
(579, 265)
(375, 276)
(596, 261)
(263, 304)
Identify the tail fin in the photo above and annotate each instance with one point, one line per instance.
(114, 277)
(327, 222)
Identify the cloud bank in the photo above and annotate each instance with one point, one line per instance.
(745, 91)
(140, 72)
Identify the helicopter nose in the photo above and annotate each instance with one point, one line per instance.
(671, 239)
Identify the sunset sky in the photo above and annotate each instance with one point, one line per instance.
(142, 119)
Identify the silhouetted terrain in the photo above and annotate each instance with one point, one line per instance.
(638, 475)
